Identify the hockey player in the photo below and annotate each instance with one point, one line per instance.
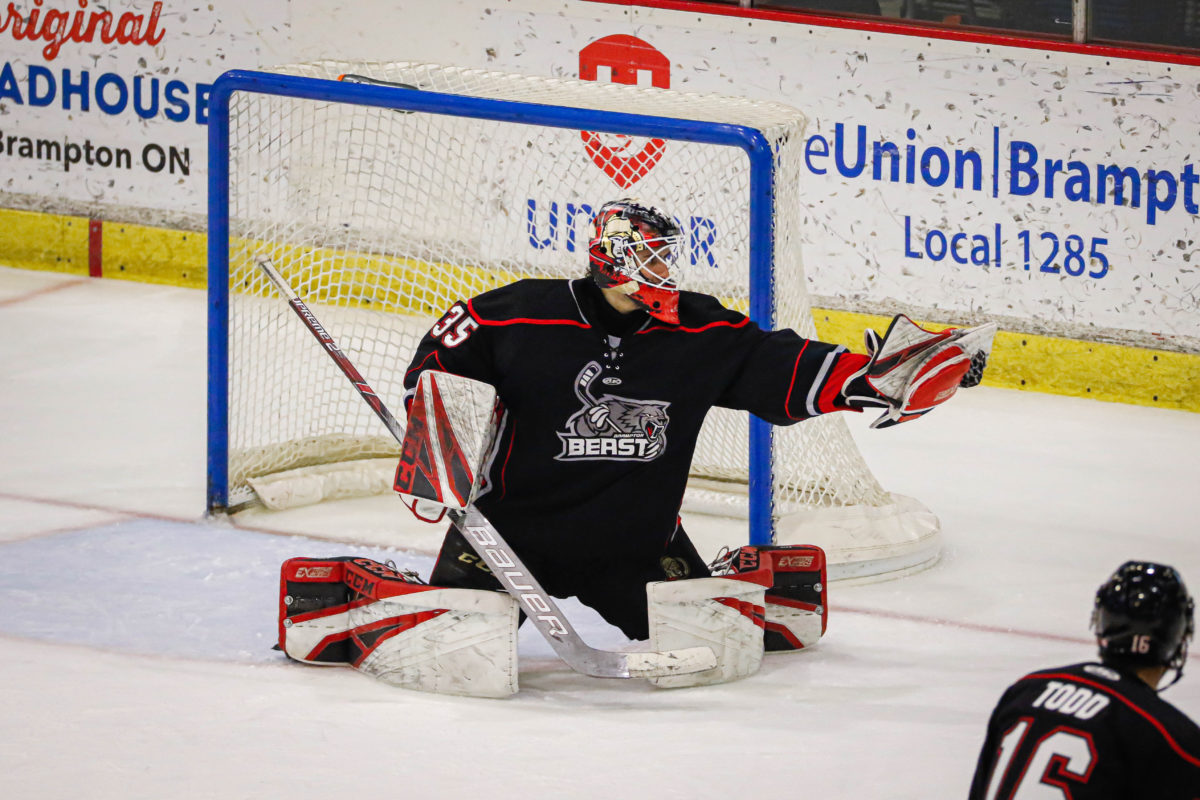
(606, 380)
(1100, 730)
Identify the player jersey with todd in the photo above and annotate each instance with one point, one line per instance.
(1092, 731)
(1096, 731)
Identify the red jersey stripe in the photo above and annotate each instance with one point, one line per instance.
(787, 400)
(719, 324)
(522, 320)
(847, 364)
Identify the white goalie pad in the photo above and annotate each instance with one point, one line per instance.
(802, 627)
(797, 600)
(723, 614)
(452, 424)
(449, 641)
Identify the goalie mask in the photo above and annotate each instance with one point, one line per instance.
(633, 249)
(1143, 617)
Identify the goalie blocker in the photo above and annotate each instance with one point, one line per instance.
(359, 613)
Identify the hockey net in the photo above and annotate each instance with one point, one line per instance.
(381, 219)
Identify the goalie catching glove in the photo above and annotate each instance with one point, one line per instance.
(912, 370)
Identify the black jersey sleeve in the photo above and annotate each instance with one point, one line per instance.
(456, 343)
(785, 378)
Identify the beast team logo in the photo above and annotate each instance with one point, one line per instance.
(612, 428)
(625, 159)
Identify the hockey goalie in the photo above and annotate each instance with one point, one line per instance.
(571, 484)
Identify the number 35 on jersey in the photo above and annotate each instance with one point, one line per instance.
(455, 326)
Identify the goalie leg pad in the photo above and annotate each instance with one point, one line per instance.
(797, 607)
(725, 614)
(359, 613)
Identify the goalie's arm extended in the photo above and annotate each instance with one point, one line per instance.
(908, 371)
(785, 378)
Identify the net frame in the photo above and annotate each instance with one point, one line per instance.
(758, 147)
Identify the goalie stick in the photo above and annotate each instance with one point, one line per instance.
(516, 579)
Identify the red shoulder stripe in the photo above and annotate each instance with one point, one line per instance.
(1188, 757)
(522, 320)
(717, 324)
(432, 354)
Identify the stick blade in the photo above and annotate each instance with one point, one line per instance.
(649, 664)
(670, 662)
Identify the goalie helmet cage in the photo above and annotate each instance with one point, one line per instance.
(383, 205)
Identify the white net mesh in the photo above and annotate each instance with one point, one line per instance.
(382, 219)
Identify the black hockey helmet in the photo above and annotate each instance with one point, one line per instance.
(1143, 617)
(634, 248)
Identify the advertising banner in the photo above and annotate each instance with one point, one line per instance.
(1054, 192)
(1055, 189)
(107, 103)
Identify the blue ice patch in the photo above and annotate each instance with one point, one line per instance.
(184, 589)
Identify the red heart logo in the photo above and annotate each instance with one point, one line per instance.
(625, 170)
(624, 56)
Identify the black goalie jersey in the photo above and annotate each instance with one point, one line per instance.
(603, 410)
(1087, 732)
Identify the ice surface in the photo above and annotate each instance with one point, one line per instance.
(135, 636)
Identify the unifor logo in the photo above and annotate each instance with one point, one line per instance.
(624, 59)
(611, 428)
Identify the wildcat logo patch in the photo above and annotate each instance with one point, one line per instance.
(610, 428)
